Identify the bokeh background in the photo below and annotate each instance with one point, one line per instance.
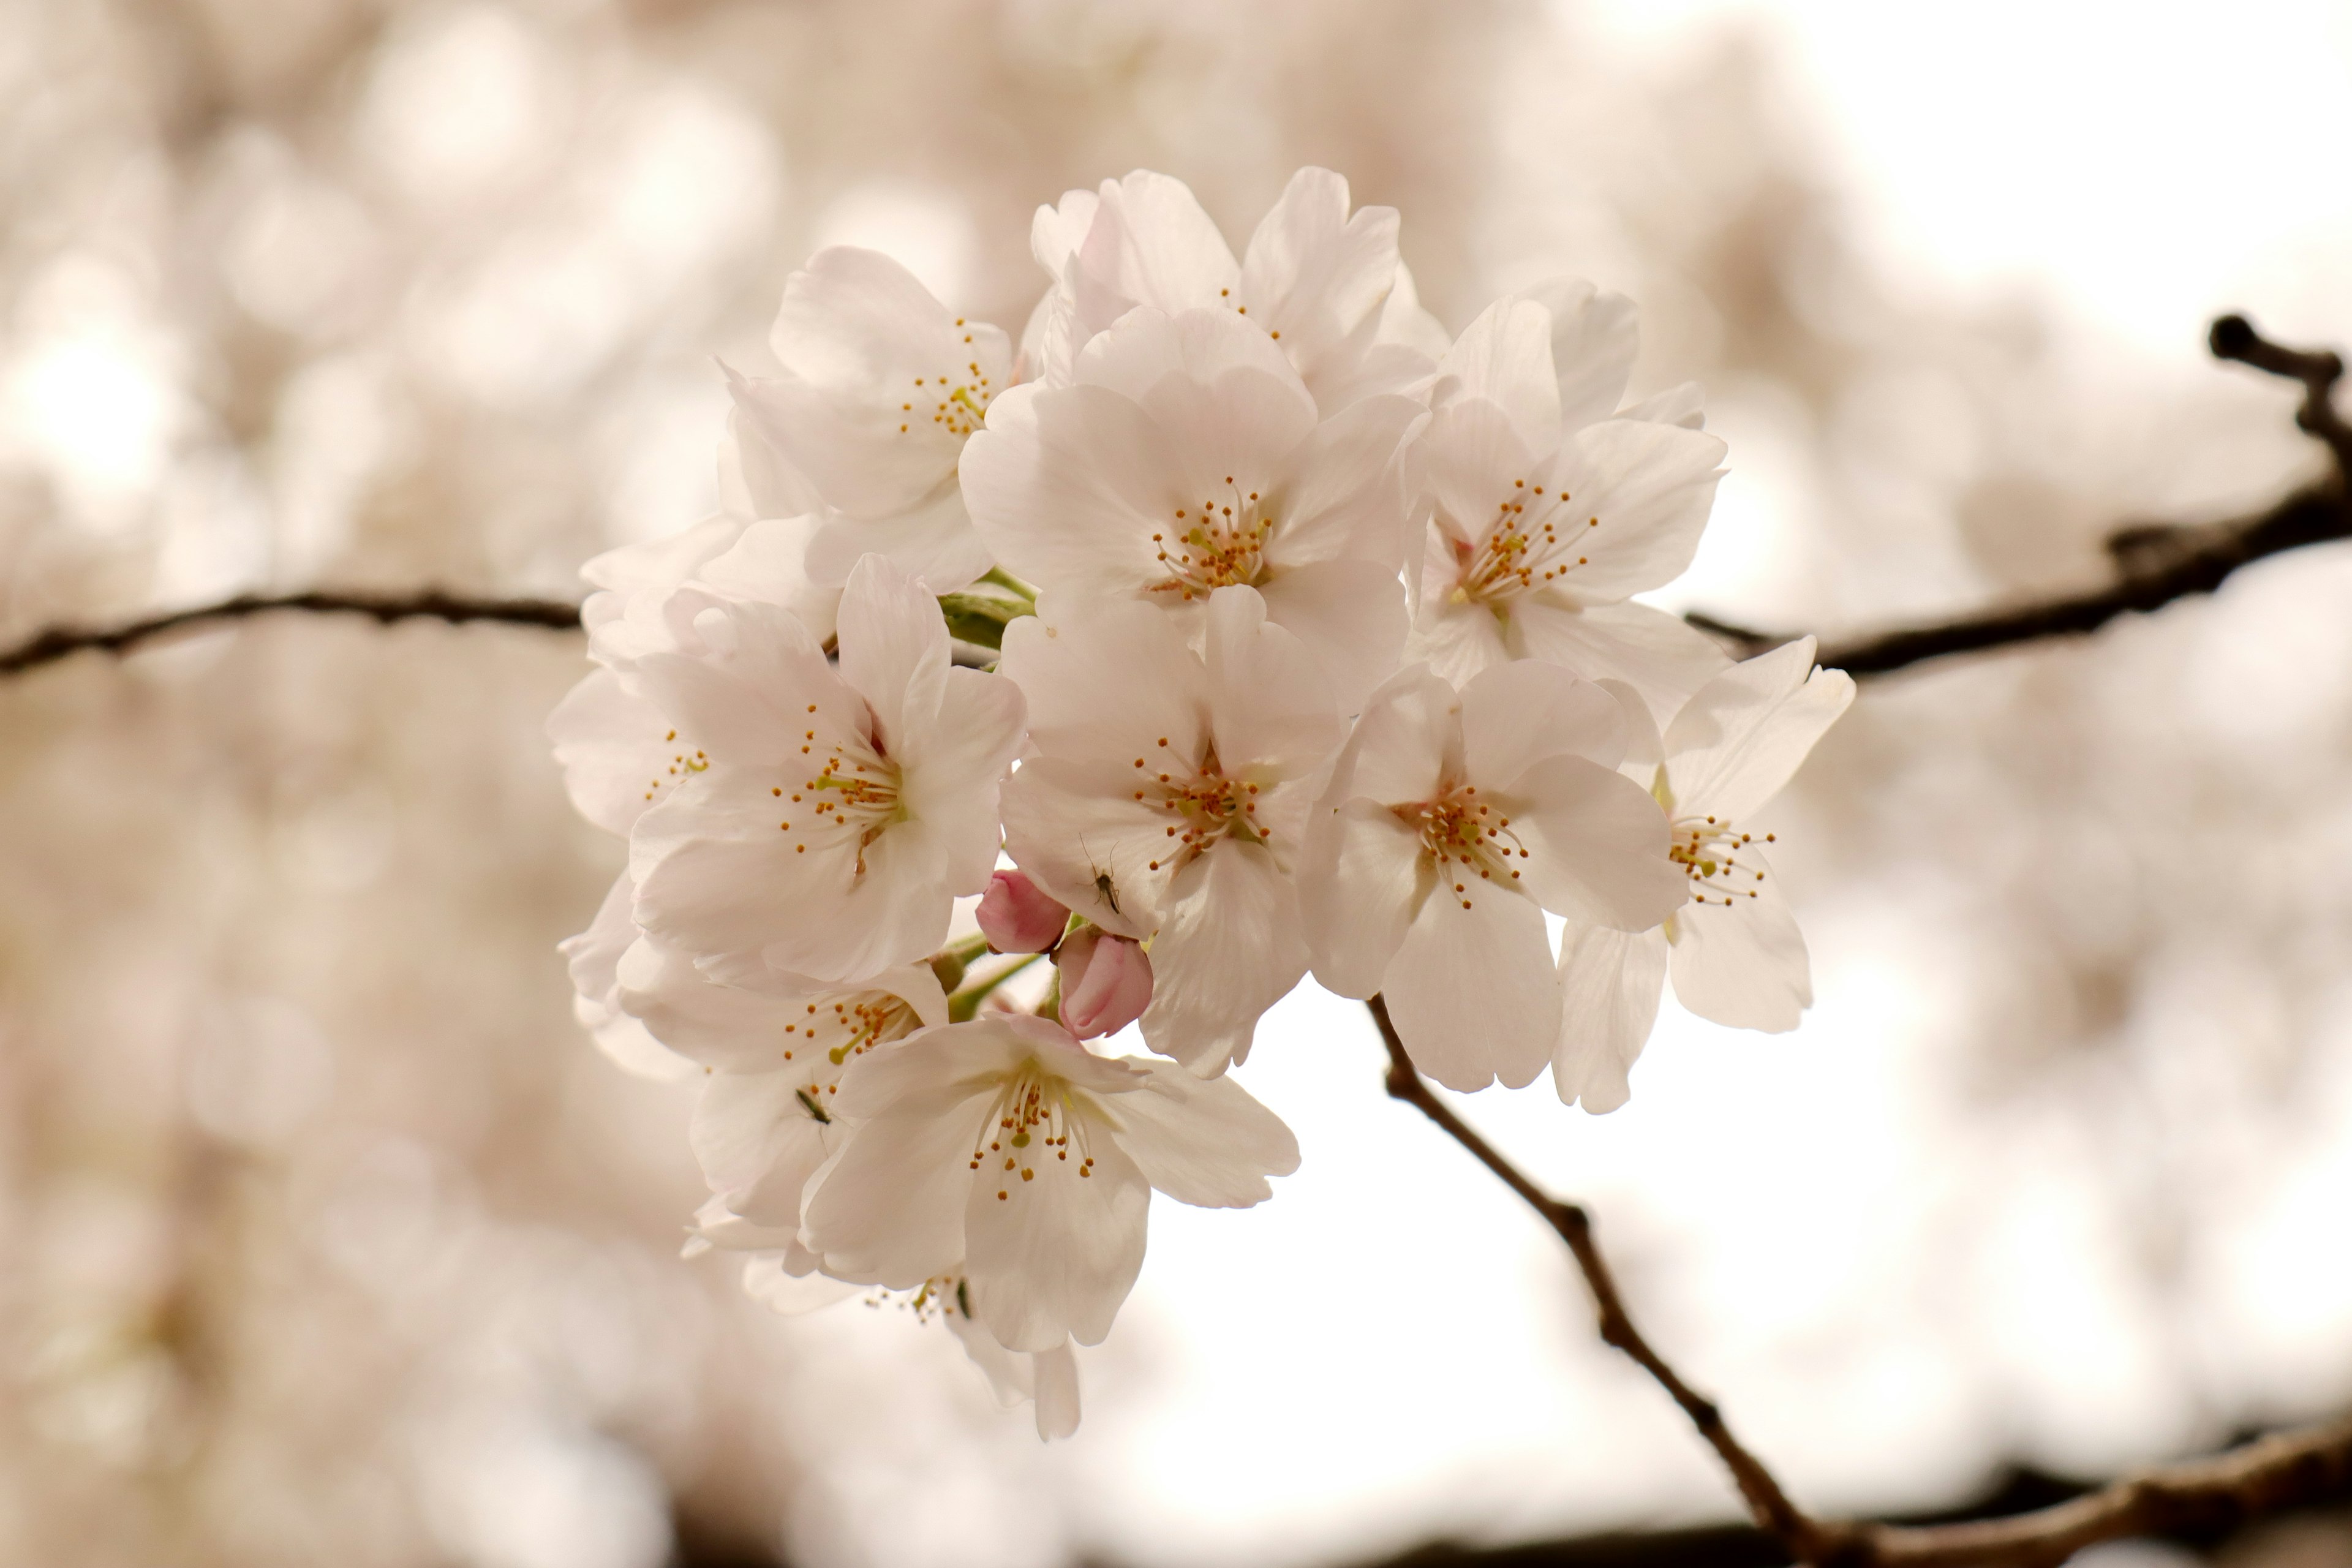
(325, 1238)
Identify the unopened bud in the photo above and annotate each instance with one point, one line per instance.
(1106, 982)
(1017, 916)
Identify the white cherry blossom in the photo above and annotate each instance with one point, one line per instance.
(1006, 1147)
(880, 385)
(830, 831)
(1325, 285)
(1165, 796)
(1452, 823)
(1545, 514)
(1187, 456)
(1732, 946)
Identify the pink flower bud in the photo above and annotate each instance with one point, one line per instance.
(1106, 982)
(1017, 916)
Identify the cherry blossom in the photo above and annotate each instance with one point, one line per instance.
(1547, 515)
(1105, 982)
(1165, 796)
(1732, 946)
(1017, 916)
(1452, 823)
(1187, 455)
(1007, 1147)
(831, 830)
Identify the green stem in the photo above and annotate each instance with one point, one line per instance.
(964, 1005)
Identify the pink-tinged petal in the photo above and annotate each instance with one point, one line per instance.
(756, 480)
(1472, 991)
(1504, 359)
(1406, 746)
(1228, 948)
(1661, 657)
(1076, 829)
(1068, 485)
(1596, 845)
(1053, 1257)
(1362, 881)
(1018, 916)
(932, 541)
(940, 1068)
(1203, 1142)
(1594, 340)
(610, 747)
(1745, 733)
(735, 1019)
(595, 958)
(1456, 641)
(1106, 982)
(889, 1208)
(758, 1143)
(1517, 714)
(1150, 244)
(1147, 345)
(753, 680)
(1610, 982)
(1230, 437)
(1341, 497)
(894, 652)
(1105, 682)
(1271, 711)
(1056, 1380)
(1743, 966)
(768, 564)
(870, 358)
(1651, 486)
(1466, 459)
(1313, 272)
(1684, 405)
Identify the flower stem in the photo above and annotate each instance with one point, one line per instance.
(965, 1004)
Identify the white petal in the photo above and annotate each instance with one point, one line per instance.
(1594, 340)
(1105, 682)
(1456, 640)
(1051, 1259)
(1744, 734)
(1227, 949)
(1312, 272)
(1341, 496)
(1271, 711)
(1661, 657)
(953, 773)
(767, 1281)
(1361, 883)
(1206, 1142)
(1151, 244)
(756, 480)
(1076, 828)
(595, 958)
(1056, 1380)
(1644, 749)
(889, 1209)
(1610, 982)
(1596, 845)
(1684, 405)
(1148, 346)
(1472, 991)
(768, 564)
(1517, 714)
(1067, 485)
(893, 651)
(1466, 458)
(1651, 486)
(1503, 358)
(1743, 966)
(1349, 615)
(932, 539)
(758, 1144)
(610, 747)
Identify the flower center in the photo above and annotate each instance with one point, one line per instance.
(959, 401)
(853, 796)
(1458, 829)
(683, 764)
(1522, 549)
(830, 1033)
(1206, 803)
(1034, 1115)
(1217, 544)
(1708, 852)
(938, 1297)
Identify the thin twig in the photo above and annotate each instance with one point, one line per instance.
(1773, 1511)
(2156, 563)
(61, 642)
(2284, 1470)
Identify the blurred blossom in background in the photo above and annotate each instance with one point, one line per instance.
(328, 1237)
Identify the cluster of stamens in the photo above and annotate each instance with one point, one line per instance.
(1458, 829)
(680, 765)
(934, 1298)
(1707, 851)
(1032, 1115)
(1521, 551)
(1206, 803)
(855, 789)
(856, 1022)
(1214, 545)
(959, 403)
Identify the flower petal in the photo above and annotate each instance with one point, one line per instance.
(1743, 965)
(758, 1144)
(1472, 991)
(595, 958)
(893, 651)
(1052, 1257)
(1105, 682)
(1596, 845)
(1651, 486)
(1517, 714)
(1349, 616)
(1661, 657)
(1744, 734)
(1271, 711)
(1228, 948)
(1610, 982)
(1594, 340)
(1314, 273)
(889, 1208)
(1067, 485)
(609, 742)
(1361, 883)
(1503, 358)
(1203, 1142)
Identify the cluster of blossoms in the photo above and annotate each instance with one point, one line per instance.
(1236, 626)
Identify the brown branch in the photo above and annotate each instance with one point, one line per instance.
(2284, 1470)
(2156, 563)
(61, 642)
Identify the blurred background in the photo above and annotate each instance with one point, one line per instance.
(326, 1237)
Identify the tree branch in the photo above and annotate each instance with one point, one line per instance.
(2155, 563)
(60, 642)
(2284, 1470)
